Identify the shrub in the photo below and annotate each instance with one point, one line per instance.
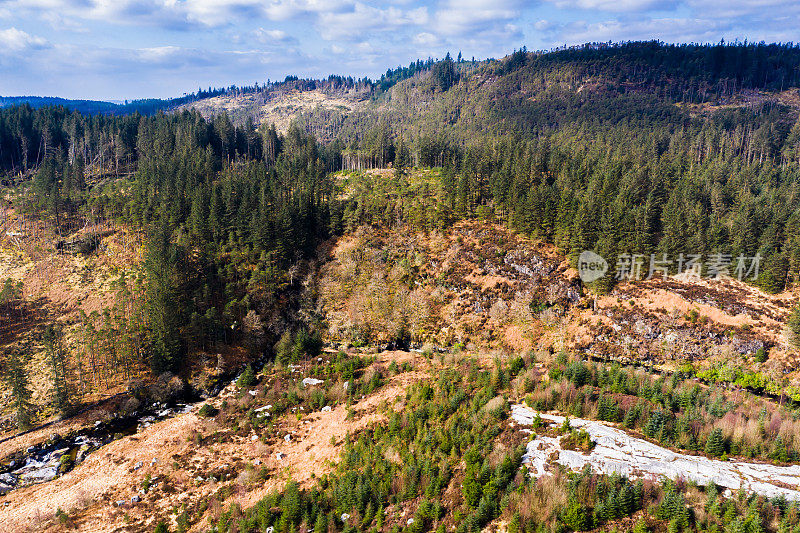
(578, 440)
(207, 411)
(794, 327)
(577, 517)
(248, 377)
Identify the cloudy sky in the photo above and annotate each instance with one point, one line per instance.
(125, 49)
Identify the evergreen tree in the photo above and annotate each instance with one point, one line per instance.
(57, 357)
(715, 444)
(163, 306)
(794, 327)
(16, 377)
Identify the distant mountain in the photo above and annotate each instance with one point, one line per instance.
(82, 106)
(91, 107)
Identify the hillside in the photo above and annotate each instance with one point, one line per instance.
(278, 107)
(471, 298)
(343, 305)
(527, 92)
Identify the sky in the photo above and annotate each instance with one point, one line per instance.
(127, 49)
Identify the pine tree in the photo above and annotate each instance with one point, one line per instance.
(56, 353)
(321, 524)
(577, 517)
(715, 444)
(794, 327)
(163, 306)
(471, 487)
(16, 377)
(401, 160)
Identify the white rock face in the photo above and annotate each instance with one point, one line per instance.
(312, 381)
(616, 451)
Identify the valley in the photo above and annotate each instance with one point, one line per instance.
(346, 304)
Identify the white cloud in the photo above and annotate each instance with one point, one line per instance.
(272, 36)
(354, 23)
(462, 17)
(426, 39)
(665, 29)
(287, 9)
(177, 14)
(616, 5)
(733, 9)
(59, 22)
(15, 40)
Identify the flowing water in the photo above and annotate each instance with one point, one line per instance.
(58, 455)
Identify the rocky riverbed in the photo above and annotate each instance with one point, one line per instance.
(58, 454)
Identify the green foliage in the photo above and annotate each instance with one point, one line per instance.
(164, 304)
(577, 516)
(15, 374)
(441, 425)
(715, 443)
(794, 327)
(673, 508)
(207, 411)
(577, 440)
(292, 347)
(57, 356)
(247, 377)
(11, 290)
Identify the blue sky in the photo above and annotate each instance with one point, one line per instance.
(125, 49)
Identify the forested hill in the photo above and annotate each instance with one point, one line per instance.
(638, 148)
(91, 107)
(642, 82)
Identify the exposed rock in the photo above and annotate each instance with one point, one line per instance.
(617, 452)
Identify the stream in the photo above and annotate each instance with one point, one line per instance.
(59, 455)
